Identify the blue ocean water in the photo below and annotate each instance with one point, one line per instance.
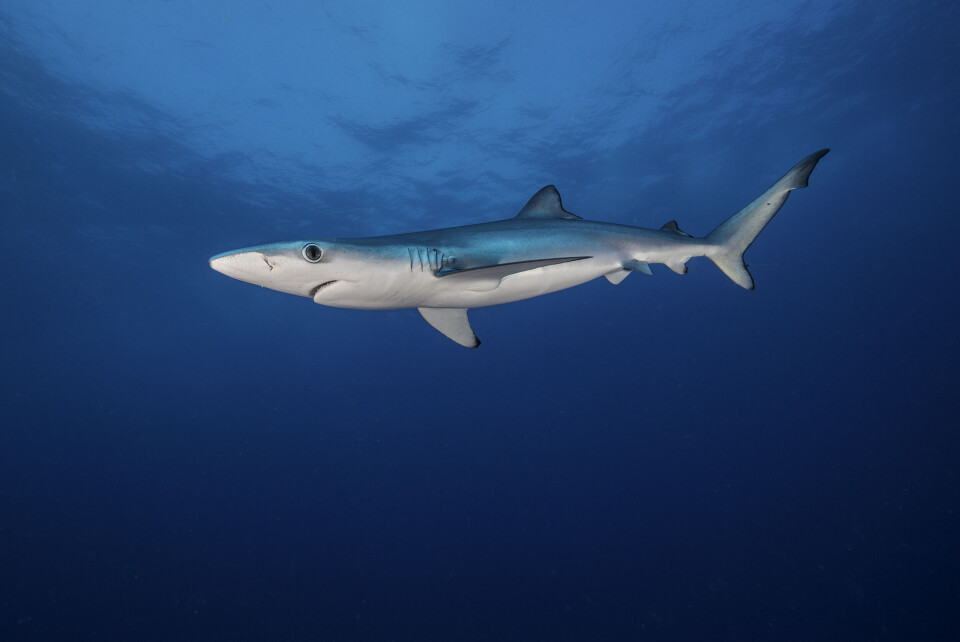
(188, 457)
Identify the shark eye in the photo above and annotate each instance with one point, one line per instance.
(312, 252)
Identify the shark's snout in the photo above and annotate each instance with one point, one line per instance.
(285, 267)
(244, 265)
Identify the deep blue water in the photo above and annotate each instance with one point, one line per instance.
(188, 457)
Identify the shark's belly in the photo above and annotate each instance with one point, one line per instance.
(392, 290)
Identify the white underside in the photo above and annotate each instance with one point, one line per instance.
(398, 288)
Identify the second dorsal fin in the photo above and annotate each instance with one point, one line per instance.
(671, 226)
(545, 204)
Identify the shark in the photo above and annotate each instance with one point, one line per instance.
(444, 273)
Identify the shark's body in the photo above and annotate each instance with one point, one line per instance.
(543, 249)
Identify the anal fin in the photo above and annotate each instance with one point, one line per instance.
(451, 323)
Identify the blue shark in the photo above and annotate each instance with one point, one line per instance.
(446, 272)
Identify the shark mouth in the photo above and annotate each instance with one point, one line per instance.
(320, 287)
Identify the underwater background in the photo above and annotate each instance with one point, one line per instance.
(187, 457)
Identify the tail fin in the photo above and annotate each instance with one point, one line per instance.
(737, 233)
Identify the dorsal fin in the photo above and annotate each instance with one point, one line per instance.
(545, 204)
(671, 226)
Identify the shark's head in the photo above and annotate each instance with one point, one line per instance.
(306, 268)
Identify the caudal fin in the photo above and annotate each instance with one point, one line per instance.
(737, 233)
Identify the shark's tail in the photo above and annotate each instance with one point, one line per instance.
(732, 238)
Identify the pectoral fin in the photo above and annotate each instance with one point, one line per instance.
(452, 323)
(488, 277)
